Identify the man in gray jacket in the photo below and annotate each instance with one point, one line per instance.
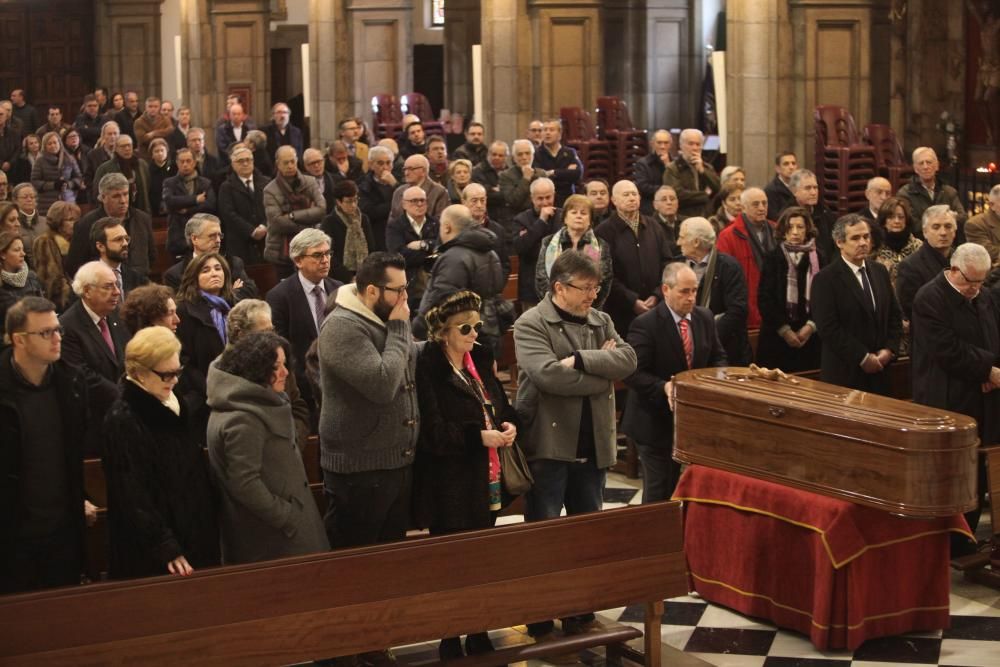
(569, 357)
(369, 419)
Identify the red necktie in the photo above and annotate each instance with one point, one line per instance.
(106, 335)
(686, 341)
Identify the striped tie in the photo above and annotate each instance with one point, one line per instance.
(686, 341)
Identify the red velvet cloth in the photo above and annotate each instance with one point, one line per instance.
(838, 572)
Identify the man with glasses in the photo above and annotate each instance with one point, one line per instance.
(350, 134)
(569, 357)
(370, 418)
(876, 192)
(184, 195)
(956, 348)
(111, 241)
(415, 170)
(241, 209)
(203, 233)
(298, 303)
(375, 190)
(315, 165)
(414, 235)
(43, 412)
(95, 337)
(281, 132)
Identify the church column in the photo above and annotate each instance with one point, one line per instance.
(382, 36)
(128, 45)
(462, 28)
(508, 102)
(331, 69)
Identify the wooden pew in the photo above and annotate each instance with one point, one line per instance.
(356, 600)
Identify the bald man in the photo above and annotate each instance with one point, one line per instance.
(879, 189)
(749, 239)
(414, 235)
(693, 179)
(416, 171)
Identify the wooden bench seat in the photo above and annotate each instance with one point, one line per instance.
(356, 600)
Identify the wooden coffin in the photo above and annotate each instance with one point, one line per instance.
(897, 456)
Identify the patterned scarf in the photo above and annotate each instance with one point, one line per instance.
(219, 310)
(793, 255)
(471, 377)
(16, 279)
(295, 201)
(591, 247)
(355, 244)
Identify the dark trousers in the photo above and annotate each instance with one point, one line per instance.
(660, 473)
(367, 507)
(54, 562)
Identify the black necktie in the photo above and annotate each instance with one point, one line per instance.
(866, 286)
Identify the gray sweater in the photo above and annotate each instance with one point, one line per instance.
(369, 419)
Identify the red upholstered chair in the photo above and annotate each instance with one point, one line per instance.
(417, 103)
(844, 164)
(889, 158)
(579, 133)
(628, 143)
(387, 116)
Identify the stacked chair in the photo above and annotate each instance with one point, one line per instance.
(387, 116)
(889, 158)
(844, 164)
(628, 143)
(417, 104)
(579, 134)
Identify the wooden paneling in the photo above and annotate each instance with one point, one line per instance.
(47, 48)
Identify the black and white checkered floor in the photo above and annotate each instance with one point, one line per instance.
(722, 637)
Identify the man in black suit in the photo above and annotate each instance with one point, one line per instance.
(674, 336)
(779, 194)
(940, 226)
(111, 240)
(876, 192)
(375, 191)
(184, 195)
(231, 131)
(298, 303)
(204, 234)
(315, 166)
(281, 132)
(856, 312)
(956, 348)
(94, 338)
(241, 208)
(129, 114)
(722, 287)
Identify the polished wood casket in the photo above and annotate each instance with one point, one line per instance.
(904, 458)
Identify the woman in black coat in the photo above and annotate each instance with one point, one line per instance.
(349, 231)
(788, 338)
(204, 299)
(464, 419)
(161, 508)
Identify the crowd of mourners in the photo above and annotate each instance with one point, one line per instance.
(384, 332)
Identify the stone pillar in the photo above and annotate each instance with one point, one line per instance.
(568, 65)
(331, 69)
(757, 61)
(382, 35)
(462, 29)
(508, 93)
(128, 45)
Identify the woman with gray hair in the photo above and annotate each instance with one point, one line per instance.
(267, 508)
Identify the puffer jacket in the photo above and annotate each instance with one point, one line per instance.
(466, 262)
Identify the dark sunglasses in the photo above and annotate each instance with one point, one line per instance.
(466, 329)
(167, 376)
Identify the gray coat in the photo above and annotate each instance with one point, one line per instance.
(370, 418)
(515, 190)
(549, 395)
(280, 226)
(267, 508)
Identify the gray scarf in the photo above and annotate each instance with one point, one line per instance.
(17, 279)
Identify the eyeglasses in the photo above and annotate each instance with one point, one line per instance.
(411, 168)
(466, 329)
(167, 376)
(971, 282)
(397, 290)
(417, 202)
(44, 334)
(319, 256)
(588, 290)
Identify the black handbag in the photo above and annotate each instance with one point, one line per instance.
(515, 475)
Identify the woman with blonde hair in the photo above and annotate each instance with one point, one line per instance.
(577, 234)
(161, 506)
(50, 247)
(459, 175)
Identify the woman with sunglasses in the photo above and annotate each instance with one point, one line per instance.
(161, 508)
(464, 419)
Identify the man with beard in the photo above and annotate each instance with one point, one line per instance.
(184, 195)
(474, 149)
(133, 168)
(109, 237)
(113, 197)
